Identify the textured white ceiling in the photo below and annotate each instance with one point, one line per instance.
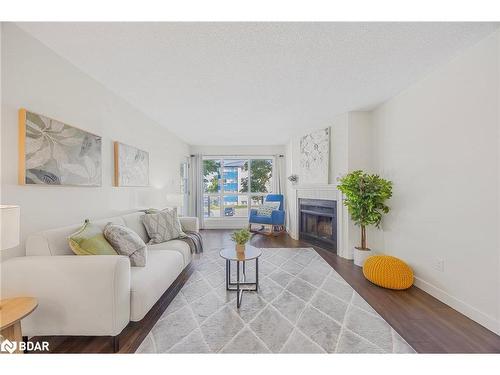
(255, 83)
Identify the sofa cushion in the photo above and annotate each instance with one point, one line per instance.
(134, 222)
(175, 245)
(163, 226)
(89, 240)
(126, 242)
(149, 283)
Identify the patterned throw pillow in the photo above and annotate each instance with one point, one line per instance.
(268, 208)
(163, 226)
(157, 210)
(89, 240)
(126, 242)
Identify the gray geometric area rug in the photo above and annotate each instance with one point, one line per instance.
(303, 306)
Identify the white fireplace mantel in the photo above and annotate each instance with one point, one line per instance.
(315, 187)
(328, 192)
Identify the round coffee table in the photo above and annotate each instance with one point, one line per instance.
(230, 254)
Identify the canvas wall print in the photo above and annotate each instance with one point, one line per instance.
(54, 153)
(131, 166)
(315, 157)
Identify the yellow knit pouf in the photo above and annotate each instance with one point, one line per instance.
(388, 272)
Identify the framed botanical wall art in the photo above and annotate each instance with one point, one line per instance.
(131, 166)
(315, 157)
(54, 153)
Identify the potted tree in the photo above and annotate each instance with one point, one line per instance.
(241, 237)
(365, 197)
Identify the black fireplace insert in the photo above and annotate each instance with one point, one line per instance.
(318, 222)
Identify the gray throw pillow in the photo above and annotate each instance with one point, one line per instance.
(163, 226)
(126, 242)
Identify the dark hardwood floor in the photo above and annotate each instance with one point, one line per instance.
(427, 324)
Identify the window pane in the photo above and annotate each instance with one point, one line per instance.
(257, 200)
(235, 176)
(211, 206)
(235, 205)
(211, 176)
(261, 175)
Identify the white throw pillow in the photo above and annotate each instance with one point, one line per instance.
(268, 208)
(163, 226)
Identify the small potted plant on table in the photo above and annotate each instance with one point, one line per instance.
(241, 237)
(365, 196)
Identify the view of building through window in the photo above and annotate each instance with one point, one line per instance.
(231, 185)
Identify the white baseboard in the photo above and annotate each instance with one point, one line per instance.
(485, 320)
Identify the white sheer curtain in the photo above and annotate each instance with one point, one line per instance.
(279, 175)
(196, 187)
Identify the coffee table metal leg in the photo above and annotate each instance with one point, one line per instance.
(257, 274)
(239, 293)
(241, 284)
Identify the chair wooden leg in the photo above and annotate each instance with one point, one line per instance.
(268, 229)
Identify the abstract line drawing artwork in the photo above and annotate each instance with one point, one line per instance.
(315, 157)
(54, 153)
(131, 166)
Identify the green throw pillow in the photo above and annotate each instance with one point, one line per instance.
(90, 240)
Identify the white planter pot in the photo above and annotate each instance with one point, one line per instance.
(360, 256)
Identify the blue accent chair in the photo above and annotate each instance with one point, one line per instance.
(275, 222)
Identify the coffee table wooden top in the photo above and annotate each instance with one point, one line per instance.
(14, 309)
(250, 253)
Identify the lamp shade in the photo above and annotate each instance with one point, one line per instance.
(9, 222)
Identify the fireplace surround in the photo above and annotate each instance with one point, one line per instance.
(318, 222)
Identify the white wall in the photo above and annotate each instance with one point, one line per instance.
(1, 28)
(36, 78)
(350, 149)
(338, 164)
(438, 142)
(338, 149)
(238, 150)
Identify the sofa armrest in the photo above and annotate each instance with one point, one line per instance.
(191, 224)
(77, 295)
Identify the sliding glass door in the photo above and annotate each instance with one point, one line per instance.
(233, 185)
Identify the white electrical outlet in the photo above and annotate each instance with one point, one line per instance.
(439, 265)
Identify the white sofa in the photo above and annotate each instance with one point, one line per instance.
(91, 295)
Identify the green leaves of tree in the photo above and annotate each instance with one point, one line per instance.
(365, 196)
(211, 175)
(260, 174)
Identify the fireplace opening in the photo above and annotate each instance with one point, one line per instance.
(318, 222)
